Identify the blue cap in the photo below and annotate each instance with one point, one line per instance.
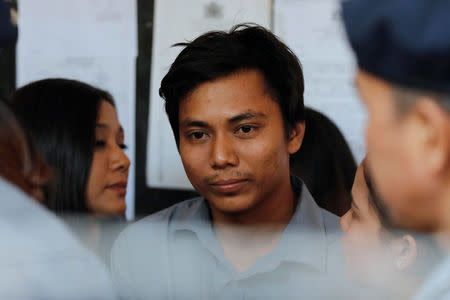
(8, 32)
(406, 42)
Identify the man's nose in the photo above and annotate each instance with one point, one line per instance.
(223, 152)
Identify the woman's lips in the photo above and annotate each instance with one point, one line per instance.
(120, 188)
(229, 186)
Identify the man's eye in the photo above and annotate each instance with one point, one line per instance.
(245, 129)
(198, 135)
(123, 146)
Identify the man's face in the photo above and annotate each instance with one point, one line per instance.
(233, 143)
(393, 146)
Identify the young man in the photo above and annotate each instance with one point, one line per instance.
(403, 53)
(235, 103)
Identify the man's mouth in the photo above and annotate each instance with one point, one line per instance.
(229, 186)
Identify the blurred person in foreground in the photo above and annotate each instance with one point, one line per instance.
(325, 163)
(403, 53)
(78, 133)
(39, 258)
(235, 103)
(380, 257)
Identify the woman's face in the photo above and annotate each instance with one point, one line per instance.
(363, 249)
(107, 183)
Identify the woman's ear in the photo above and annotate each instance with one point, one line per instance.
(404, 252)
(295, 137)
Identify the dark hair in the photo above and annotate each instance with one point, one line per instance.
(217, 54)
(20, 163)
(61, 116)
(325, 163)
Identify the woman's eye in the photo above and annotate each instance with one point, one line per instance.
(123, 146)
(100, 143)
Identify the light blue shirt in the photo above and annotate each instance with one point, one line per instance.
(174, 254)
(437, 286)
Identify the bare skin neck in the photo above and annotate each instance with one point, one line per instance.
(247, 236)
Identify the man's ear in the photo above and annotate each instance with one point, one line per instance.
(295, 137)
(404, 252)
(434, 131)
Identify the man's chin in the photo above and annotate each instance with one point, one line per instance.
(231, 204)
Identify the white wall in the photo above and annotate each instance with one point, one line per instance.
(94, 41)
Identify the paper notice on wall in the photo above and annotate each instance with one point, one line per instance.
(314, 31)
(186, 22)
(91, 41)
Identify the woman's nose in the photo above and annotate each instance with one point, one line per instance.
(120, 160)
(345, 221)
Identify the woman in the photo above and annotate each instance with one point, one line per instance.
(77, 131)
(378, 255)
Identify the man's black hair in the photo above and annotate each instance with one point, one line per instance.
(217, 54)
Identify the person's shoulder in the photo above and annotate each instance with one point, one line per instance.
(140, 255)
(330, 221)
(148, 237)
(160, 222)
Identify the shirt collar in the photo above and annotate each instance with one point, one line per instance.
(304, 240)
(193, 217)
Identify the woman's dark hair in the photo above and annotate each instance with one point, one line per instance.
(20, 162)
(217, 54)
(61, 116)
(325, 163)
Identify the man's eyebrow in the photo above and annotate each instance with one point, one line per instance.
(247, 116)
(189, 122)
(193, 123)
